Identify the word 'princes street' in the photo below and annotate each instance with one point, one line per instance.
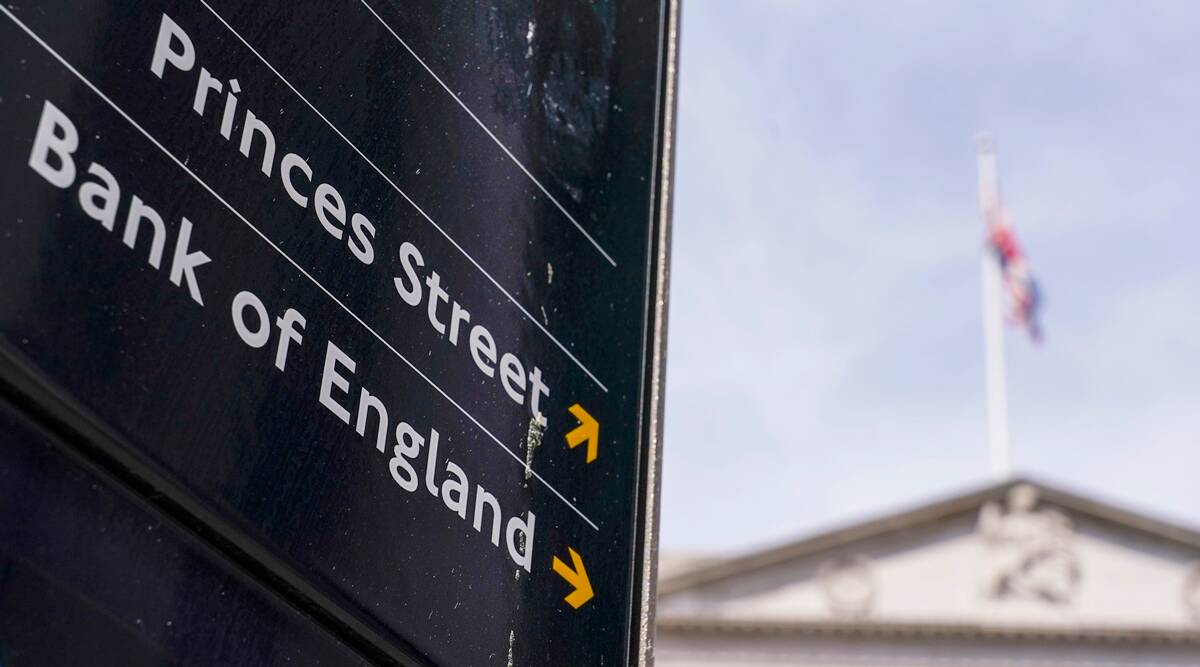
(176, 54)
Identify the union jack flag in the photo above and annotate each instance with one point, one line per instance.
(1025, 296)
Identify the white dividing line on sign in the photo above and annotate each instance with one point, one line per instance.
(239, 216)
(557, 204)
(408, 199)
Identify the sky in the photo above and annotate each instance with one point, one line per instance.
(825, 351)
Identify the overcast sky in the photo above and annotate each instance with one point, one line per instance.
(825, 353)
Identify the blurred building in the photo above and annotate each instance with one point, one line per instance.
(1018, 573)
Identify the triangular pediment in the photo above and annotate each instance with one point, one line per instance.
(1018, 554)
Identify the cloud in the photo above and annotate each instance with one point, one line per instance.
(825, 349)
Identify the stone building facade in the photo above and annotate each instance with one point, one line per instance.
(1019, 573)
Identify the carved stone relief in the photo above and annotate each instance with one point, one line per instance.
(1028, 551)
(848, 586)
(1191, 591)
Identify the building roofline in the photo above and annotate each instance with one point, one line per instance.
(922, 514)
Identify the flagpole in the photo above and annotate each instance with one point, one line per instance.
(993, 321)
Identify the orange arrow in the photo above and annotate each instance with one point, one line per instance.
(576, 577)
(588, 429)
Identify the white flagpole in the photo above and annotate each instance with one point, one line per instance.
(993, 321)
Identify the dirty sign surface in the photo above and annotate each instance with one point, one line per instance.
(364, 290)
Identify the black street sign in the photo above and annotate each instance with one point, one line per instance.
(87, 570)
(369, 294)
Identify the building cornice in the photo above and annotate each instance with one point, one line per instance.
(749, 628)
